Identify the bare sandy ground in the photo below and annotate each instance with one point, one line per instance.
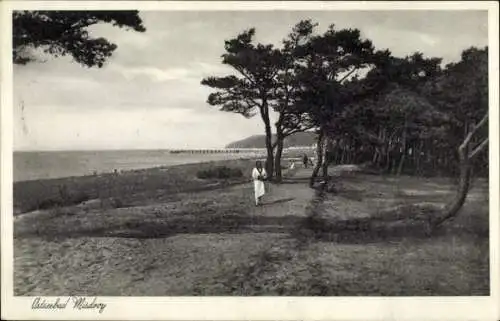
(216, 242)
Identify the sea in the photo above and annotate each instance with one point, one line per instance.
(57, 164)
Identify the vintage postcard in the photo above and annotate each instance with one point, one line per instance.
(249, 160)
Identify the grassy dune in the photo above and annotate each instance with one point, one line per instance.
(131, 187)
(178, 235)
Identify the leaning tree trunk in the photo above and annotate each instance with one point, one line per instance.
(465, 159)
(277, 156)
(319, 157)
(463, 188)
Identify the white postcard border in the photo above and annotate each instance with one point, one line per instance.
(252, 308)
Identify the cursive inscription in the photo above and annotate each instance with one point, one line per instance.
(83, 303)
(45, 304)
(77, 303)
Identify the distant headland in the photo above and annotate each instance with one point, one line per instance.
(258, 141)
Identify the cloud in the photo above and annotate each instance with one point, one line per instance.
(161, 128)
(191, 71)
(429, 40)
(116, 87)
(156, 74)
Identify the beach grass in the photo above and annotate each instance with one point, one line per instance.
(129, 187)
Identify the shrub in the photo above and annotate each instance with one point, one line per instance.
(118, 203)
(65, 198)
(47, 203)
(220, 172)
(79, 198)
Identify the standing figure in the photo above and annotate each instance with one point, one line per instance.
(305, 160)
(259, 175)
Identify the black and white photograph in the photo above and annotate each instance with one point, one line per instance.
(242, 153)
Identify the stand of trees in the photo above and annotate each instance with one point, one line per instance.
(399, 114)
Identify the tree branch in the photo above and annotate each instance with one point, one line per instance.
(279, 123)
(478, 149)
(244, 74)
(348, 74)
(297, 130)
(251, 102)
(473, 131)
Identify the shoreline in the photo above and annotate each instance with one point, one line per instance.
(126, 171)
(126, 187)
(92, 173)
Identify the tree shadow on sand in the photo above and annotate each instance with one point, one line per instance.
(402, 222)
(295, 180)
(393, 227)
(163, 227)
(278, 201)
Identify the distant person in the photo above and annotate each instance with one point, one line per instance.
(259, 175)
(305, 160)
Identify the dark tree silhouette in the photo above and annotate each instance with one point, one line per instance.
(329, 69)
(63, 33)
(253, 89)
(391, 118)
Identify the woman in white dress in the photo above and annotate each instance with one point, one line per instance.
(259, 175)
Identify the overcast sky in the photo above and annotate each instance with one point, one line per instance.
(149, 96)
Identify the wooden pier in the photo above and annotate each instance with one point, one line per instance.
(218, 151)
(234, 150)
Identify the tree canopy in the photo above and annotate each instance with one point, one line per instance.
(301, 81)
(63, 33)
